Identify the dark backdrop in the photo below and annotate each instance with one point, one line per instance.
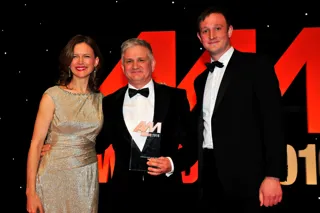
(33, 34)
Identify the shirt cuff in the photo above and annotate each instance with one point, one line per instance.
(172, 168)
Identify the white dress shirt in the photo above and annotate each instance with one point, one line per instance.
(137, 109)
(210, 95)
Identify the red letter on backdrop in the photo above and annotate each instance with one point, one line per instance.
(303, 50)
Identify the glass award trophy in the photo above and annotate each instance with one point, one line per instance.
(151, 148)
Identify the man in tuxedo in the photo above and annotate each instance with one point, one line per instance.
(137, 146)
(238, 117)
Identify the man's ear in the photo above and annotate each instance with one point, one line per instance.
(230, 30)
(153, 65)
(199, 37)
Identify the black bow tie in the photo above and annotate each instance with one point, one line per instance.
(212, 65)
(144, 92)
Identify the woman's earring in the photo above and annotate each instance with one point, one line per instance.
(69, 72)
(94, 73)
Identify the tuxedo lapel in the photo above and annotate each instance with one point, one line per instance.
(199, 85)
(200, 88)
(161, 105)
(119, 114)
(230, 70)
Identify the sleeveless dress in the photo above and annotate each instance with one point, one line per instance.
(67, 178)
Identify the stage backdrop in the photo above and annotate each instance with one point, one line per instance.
(33, 34)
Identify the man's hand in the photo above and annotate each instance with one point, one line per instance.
(45, 149)
(158, 166)
(270, 192)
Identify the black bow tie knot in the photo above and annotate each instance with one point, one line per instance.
(144, 92)
(212, 65)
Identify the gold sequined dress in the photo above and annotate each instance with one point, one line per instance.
(67, 179)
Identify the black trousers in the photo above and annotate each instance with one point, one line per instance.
(213, 196)
(142, 196)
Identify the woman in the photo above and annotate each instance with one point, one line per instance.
(69, 119)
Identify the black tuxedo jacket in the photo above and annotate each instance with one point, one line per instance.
(247, 130)
(172, 109)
